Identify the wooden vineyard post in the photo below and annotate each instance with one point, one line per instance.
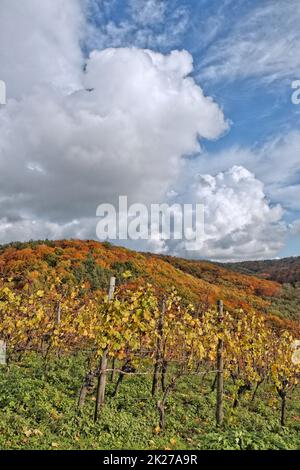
(100, 397)
(112, 286)
(2, 353)
(220, 369)
(158, 357)
(58, 314)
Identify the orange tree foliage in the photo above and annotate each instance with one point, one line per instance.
(91, 263)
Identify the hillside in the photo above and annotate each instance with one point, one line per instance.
(92, 263)
(285, 270)
(83, 371)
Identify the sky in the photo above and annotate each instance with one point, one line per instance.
(162, 101)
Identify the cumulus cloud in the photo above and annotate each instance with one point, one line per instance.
(125, 132)
(275, 162)
(240, 221)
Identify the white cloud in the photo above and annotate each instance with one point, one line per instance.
(29, 229)
(240, 222)
(62, 155)
(263, 43)
(40, 44)
(276, 163)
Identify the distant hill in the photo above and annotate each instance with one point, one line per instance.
(285, 270)
(92, 263)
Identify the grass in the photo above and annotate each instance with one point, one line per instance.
(38, 411)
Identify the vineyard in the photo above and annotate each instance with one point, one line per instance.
(82, 364)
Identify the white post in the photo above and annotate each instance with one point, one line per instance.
(2, 353)
(112, 285)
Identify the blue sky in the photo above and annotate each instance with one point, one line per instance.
(245, 56)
